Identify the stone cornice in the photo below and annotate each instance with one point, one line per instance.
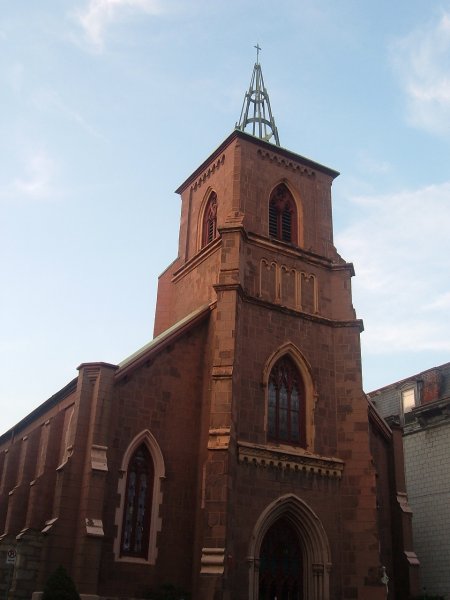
(197, 259)
(285, 162)
(310, 317)
(290, 458)
(297, 252)
(208, 172)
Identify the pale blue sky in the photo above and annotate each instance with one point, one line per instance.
(108, 105)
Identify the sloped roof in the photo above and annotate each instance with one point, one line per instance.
(164, 339)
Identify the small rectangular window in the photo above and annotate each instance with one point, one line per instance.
(408, 400)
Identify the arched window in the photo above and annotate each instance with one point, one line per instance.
(286, 404)
(282, 215)
(209, 231)
(138, 504)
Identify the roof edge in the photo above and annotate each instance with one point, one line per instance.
(400, 382)
(41, 409)
(259, 142)
(162, 340)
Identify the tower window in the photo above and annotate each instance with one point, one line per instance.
(286, 404)
(282, 215)
(137, 510)
(209, 232)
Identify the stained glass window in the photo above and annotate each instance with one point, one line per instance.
(286, 402)
(136, 519)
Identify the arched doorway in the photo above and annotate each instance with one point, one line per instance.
(289, 555)
(280, 564)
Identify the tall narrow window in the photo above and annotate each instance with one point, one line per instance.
(137, 509)
(408, 403)
(210, 220)
(286, 404)
(282, 215)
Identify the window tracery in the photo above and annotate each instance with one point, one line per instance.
(286, 404)
(137, 509)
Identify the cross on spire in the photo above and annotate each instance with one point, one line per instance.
(256, 112)
(258, 50)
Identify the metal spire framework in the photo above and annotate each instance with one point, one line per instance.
(256, 112)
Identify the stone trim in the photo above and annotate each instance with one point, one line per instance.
(94, 527)
(412, 558)
(209, 171)
(294, 459)
(219, 438)
(288, 164)
(358, 323)
(153, 447)
(222, 372)
(402, 500)
(212, 561)
(98, 458)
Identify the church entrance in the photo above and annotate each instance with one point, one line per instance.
(280, 564)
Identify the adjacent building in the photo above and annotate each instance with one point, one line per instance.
(421, 404)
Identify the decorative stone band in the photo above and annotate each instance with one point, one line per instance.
(219, 439)
(212, 562)
(288, 164)
(294, 459)
(210, 171)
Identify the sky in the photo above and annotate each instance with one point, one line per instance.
(108, 105)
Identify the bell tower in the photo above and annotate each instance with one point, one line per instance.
(284, 458)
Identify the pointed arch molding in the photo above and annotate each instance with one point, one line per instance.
(299, 220)
(304, 368)
(201, 216)
(313, 541)
(144, 437)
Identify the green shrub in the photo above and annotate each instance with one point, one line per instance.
(60, 586)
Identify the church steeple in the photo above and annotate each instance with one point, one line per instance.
(256, 112)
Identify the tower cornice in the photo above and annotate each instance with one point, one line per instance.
(274, 151)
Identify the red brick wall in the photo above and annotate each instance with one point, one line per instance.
(166, 397)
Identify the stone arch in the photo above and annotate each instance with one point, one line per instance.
(298, 206)
(305, 371)
(144, 437)
(210, 192)
(313, 540)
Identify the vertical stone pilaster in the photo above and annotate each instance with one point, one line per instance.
(98, 379)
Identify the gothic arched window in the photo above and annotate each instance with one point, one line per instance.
(209, 230)
(138, 504)
(286, 404)
(282, 215)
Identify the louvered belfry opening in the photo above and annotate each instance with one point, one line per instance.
(210, 220)
(282, 215)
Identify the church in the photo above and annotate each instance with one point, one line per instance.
(235, 456)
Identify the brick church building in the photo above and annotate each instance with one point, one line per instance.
(235, 456)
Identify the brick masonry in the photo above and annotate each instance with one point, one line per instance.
(225, 312)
